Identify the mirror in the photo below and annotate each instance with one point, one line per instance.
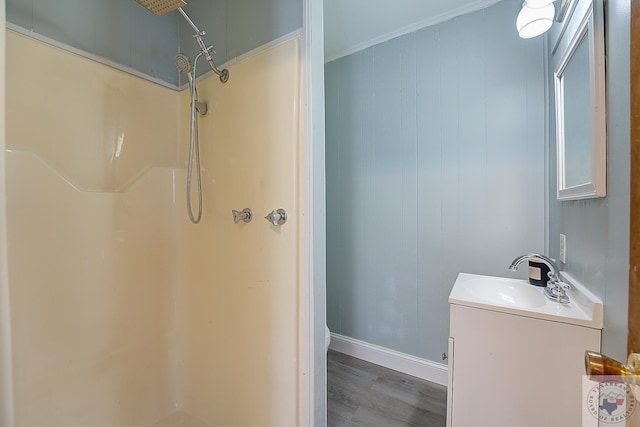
(580, 110)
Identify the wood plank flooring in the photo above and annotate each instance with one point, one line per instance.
(362, 394)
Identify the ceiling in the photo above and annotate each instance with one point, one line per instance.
(352, 25)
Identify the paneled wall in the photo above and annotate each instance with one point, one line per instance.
(235, 27)
(435, 166)
(126, 33)
(89, 232)
(121, 31)
(597, 230)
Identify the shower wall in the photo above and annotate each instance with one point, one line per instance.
(90, 197)
(124, 312)
(239, 319)
(6, 394)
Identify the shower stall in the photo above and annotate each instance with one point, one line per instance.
(121, 310)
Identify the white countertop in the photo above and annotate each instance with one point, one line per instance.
(520, 298)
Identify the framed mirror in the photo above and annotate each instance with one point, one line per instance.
(580, 110)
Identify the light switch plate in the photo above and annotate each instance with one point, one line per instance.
(563, 248)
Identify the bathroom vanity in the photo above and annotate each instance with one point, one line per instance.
(516, 358)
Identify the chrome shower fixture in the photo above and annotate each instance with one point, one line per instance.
(160, 7)
(184, 66)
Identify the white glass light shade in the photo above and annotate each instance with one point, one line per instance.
(538, 3)
(532, 22)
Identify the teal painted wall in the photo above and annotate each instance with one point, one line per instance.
(597, 230)
(124, 32)
(235, 27)
(118, 30)
(435, 165)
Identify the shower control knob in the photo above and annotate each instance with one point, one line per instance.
(277, 217)
(244, 215)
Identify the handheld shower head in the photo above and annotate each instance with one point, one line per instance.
(182, 63)
(160, 7)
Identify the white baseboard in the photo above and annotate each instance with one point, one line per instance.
(401, 362)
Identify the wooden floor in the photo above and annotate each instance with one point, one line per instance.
(360, 394)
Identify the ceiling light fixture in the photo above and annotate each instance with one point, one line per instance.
(533, 21)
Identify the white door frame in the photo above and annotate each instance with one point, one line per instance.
(6, 381)
(312, 373)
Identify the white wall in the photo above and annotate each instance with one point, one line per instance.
(315, 161)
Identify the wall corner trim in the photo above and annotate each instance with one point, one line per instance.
(401, 362)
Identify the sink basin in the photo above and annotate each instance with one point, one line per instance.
(506, 292)
(518, 297)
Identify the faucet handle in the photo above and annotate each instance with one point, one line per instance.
(277, 217)
(564, 286)
(556, 290)
(556, 282)
(244, 215)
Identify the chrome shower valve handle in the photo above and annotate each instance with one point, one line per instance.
(277, 217)
(244, 215)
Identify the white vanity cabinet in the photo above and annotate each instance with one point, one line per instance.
(509, 368)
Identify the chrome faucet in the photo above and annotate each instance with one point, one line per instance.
(556, 289)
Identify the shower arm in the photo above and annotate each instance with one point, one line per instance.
(224, 74)
(184, 14)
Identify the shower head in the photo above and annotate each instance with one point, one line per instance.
(160, 7)
(182, 63)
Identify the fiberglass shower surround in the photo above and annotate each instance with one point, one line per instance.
(160, 7)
